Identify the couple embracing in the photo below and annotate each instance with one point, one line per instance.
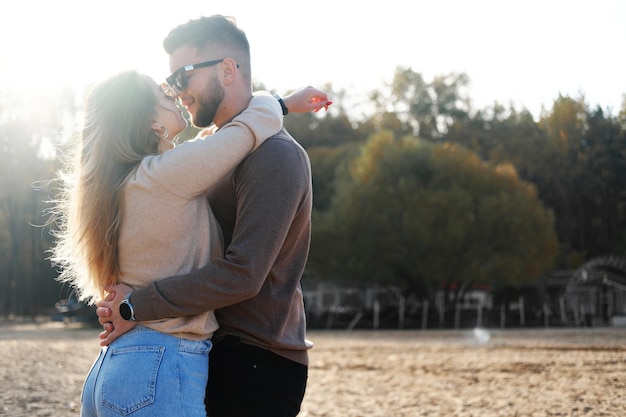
(194, 252)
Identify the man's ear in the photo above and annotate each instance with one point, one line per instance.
(230, 70)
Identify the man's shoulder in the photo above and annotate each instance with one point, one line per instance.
(276, 156)
(282, 138)
(282, 146)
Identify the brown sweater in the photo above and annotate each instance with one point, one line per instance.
(255, 289)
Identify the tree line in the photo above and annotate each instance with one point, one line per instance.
(423, 192)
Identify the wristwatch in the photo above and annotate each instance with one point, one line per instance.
(283, 106)
(126, 309)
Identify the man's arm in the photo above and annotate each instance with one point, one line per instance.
(270, 190)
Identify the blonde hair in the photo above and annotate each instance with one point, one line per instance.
(115, 137)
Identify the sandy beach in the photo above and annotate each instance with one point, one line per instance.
(534, 372)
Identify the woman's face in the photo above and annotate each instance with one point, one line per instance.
(167, 114)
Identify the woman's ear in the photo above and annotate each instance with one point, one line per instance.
(157, 128)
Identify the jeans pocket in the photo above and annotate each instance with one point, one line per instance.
(129, 378)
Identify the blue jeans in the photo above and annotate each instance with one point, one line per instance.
(148, 373)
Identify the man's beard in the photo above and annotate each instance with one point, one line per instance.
(208, 104)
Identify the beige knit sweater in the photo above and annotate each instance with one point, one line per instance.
(167, 225)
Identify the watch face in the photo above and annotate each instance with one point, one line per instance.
(125, 311)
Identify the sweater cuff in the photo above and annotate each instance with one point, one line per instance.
(144, 301)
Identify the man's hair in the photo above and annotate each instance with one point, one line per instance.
(216, 35)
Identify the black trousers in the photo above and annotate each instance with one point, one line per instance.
(247, 381)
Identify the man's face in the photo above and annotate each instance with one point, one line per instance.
(203, 94)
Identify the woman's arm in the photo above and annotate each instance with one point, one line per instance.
(306, 99)
(196, 165)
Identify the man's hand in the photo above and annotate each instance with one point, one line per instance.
(108, 312)
(307, 99)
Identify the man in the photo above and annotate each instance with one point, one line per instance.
(259, 362)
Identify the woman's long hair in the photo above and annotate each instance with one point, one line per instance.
(116, 136)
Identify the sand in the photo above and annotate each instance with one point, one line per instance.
(535, 372)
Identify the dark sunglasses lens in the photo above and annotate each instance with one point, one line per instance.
(180, 81)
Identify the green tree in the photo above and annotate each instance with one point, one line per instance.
(575, 157)
(602, 209)
(422, 215)
(501, 135)
(429, 108)
(326, 165)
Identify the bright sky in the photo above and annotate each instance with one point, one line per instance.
(520, 52)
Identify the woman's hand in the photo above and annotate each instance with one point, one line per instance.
(113, 324)
(306, 99)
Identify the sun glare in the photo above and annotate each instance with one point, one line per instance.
(49, 49)
(72, 42)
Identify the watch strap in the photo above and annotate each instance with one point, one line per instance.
(282, 105)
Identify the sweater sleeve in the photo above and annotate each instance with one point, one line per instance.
(208, 159)
(271, 189)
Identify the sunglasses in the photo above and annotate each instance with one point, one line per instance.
(178, 79)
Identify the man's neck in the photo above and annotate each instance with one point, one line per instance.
(232, 107)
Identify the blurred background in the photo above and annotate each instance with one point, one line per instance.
(470, 173)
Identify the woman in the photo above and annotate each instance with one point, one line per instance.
(134, 206)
